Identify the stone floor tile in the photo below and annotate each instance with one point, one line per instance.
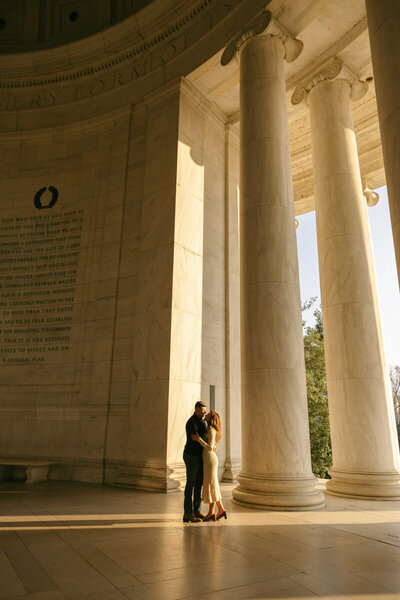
(322, 589)
(28, 569)
(113, 595)
(52, 595)
(106, 566)
(10, 584)
(68, 570)
(277, 588)
(388, 579)
(104, 543)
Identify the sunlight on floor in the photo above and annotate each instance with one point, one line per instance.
(85, 542)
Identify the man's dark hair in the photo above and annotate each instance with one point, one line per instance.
(200, 404)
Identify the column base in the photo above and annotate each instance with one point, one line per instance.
(364, 486)
(278, 493)
(231, 470)
(151, 477)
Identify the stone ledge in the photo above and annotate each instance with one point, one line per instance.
(33, 471)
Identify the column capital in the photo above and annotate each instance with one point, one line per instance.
(335, 69)
(263, 23)
(371, 197)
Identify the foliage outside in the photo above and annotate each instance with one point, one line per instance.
(395, 381)
(317, 396)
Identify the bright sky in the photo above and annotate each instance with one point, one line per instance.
(385, 267)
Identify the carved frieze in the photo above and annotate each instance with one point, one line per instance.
(150, 56)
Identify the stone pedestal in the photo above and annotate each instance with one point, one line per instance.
(364, 441)
(384, 26)
(276, 471)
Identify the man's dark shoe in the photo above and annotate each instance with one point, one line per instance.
(191, 519)
(199, 515)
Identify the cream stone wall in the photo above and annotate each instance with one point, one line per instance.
(61, 270)
(127, 290)
(149, 330)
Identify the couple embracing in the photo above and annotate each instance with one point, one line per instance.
(203, 433)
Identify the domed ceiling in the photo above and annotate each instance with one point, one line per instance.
(35, 24)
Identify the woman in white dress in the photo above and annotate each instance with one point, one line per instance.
(211, 493)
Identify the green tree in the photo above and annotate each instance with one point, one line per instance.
(317, 396)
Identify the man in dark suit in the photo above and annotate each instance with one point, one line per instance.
(193, 457)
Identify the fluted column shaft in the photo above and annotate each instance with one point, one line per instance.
(276, 470)
(364, 442)
(384, 26)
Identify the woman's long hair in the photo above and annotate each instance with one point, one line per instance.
(215, 422)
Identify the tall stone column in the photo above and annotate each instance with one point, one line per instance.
(233, 442)
(167, 326)
(364, 441)
(276, 472)
(384, 26)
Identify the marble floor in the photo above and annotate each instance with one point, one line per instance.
(65, 540)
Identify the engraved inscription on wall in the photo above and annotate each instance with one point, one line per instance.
(38, 274)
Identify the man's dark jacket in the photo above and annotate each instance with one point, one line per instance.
(194, 425)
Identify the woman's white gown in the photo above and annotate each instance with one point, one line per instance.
(211, 491)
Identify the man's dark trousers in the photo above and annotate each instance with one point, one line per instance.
(194, 481)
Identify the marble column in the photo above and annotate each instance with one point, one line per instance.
(276, 466)
(364, 441)
(384, 27)
(232, 307)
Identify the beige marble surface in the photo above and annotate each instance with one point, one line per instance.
(168, 330)
(88, 543)
(384, 24)
(62, 409)
(232, 286)
(364, 440)
(276, 470)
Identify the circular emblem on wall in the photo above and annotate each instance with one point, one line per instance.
(38, 197)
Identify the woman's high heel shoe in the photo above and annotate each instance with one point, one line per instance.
(223, 514)
(210, 518)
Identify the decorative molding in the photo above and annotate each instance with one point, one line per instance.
(184, 87)
(231, 470)
(150, 476)
(371, 197)
(211, 110)
(255, 27)
(328, 73)
(263, 22)
(141, 49)
(232, 133)
(94, 68)
(293, 46)
(297, 78)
